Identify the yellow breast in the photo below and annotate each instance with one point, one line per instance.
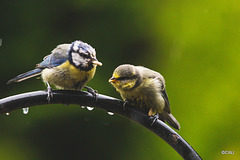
(66, 76)
(75, 73)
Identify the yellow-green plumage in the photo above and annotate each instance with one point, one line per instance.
(144, 88)
(146, 95)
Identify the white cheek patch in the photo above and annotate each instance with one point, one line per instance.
(77, 59)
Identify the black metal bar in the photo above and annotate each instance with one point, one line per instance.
(107, 103)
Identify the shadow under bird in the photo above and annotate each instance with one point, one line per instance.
(69, 66)
(144, 88)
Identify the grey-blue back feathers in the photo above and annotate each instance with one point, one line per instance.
(58, 56)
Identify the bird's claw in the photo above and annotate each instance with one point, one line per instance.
(50, 92)
(124, 104)
(92, 91)
(155, 117)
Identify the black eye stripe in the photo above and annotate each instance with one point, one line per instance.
(85, 55)
(125, 78)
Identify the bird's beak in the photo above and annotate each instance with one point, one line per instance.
(96, 62)
(112, 80)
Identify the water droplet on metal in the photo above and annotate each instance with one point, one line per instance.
(110, 113)
(90, 108)
(25, 110)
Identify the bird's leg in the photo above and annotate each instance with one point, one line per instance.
(49, 91)
(125, 102)
(92, 91)
(155, 116)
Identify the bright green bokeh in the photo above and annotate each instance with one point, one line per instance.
(195, 45)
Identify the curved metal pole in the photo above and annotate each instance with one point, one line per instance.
(107, 103)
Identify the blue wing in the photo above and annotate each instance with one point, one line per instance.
(52, 60)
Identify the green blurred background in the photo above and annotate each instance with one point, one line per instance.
(194, 45)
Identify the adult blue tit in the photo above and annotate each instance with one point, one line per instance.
(144, 88)
(69, 66)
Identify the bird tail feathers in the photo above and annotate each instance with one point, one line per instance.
(171, 120)
(26, 75)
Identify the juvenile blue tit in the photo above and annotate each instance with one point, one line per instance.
(144, 88)
(69, 66)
